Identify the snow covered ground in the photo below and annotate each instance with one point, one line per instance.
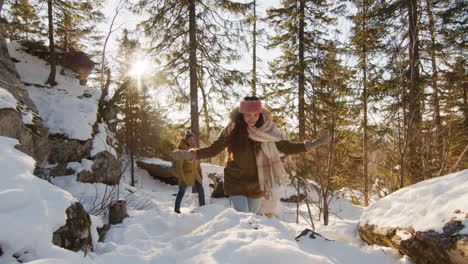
(214, 233)
(31, 209)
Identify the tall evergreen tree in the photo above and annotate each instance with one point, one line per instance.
(21, 20)
(300, 35)
(184, 34)
(76, 23)
(52, 56)
(401, 20)
(254, 49)
(366, 43)
(336, 108)
(68, 18)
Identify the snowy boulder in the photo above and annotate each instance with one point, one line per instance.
(31, 209)
(159, 169)
(75, 235)
(105, 169)
(427, 221)
(104, 166)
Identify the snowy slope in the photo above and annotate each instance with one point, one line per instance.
(31, 209)
(424, 206)
(153, 233)
(68, 108)
(216, 233)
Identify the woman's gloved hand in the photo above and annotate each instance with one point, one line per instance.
(311, 145)
(184, 155)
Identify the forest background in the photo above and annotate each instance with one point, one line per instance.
(386, 79)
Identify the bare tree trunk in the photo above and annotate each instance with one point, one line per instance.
(403, 144)
(326, 189)
(109, 33)
(205, 103)
(465, 106)
(364, 109)
(309, 211)
(254, 56)
(297, 201)
(301, 77)
(66, 48)
(437, 120)
(52, 56)
(415, 96)
(193, 74)
(130, 136)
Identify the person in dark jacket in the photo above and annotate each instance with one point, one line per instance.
(188, 173)
(254, 166)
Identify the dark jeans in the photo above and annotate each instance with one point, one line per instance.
(180, 194)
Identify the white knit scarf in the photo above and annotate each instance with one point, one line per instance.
(269, 165)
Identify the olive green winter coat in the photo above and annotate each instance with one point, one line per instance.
(187, 170)
(240, 173)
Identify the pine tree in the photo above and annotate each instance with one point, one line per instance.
(129, 101)
(401, 20)
(69, 18)
(52, 56)
(300, 36)
(187, 33)
(76, 23)
(366, 42)
(454, 106)
(335, 107)
(21, 20)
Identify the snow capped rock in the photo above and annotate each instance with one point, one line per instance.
(424, 206)
(7, 100)
(30, 208)
(68, 108)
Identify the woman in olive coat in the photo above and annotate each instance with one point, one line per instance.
(254, 167)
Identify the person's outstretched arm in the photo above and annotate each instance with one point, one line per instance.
(202, 153)
(293, 148)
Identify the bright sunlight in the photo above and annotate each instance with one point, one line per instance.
(139, 67)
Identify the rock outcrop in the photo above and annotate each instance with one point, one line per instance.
(427, 221)
(71, 131)
(422, 247)
(76, 233)
(22, 122)
(66, 150)
(106, 169)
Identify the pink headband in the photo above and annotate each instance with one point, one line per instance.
(250, 107)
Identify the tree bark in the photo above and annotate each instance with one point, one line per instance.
(415, 96)
(193, 74)
(364, 108)
(436, 117)
(301, 79)
(465, 106)
(52, 56)
(254, 56)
